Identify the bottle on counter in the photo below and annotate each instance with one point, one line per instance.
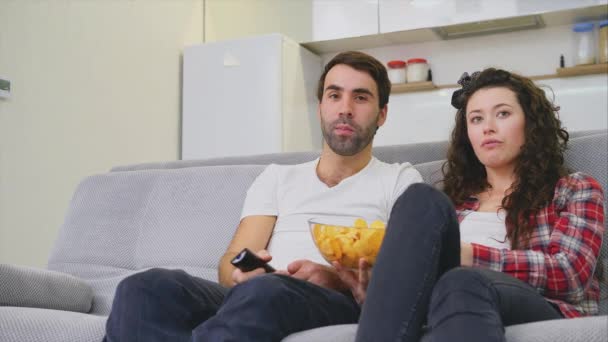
(396, 71)
(603, 41)
(417, 70)
(584, 48)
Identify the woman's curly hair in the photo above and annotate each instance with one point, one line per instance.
(539, 165)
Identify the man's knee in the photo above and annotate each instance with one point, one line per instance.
(155, 280)
(267, 288)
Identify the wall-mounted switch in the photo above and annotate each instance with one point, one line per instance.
(5, 88)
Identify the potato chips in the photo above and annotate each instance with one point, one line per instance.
(348, 244)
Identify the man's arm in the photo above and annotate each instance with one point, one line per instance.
(254, 233)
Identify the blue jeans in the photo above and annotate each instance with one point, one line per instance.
(170, 305)
(417, 280)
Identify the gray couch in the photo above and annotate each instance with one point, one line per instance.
(182, 215)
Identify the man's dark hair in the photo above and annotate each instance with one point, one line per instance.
(362, 62)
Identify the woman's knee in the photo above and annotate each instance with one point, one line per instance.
(424, 197)
(460, 278)
(457, 282)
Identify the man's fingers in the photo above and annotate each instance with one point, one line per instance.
(239, 276)
(346, 275)
(364, 272)
(295, 266)
(264, 255)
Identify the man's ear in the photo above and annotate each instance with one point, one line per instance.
(319, 112)
(382, 116)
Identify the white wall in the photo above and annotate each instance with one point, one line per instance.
(95, 84)
(428, 116)
(231, 19)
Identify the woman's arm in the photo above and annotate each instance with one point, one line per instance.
(563, 257)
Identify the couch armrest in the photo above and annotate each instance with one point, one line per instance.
(31, 287)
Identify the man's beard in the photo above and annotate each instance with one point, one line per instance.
(348, 145)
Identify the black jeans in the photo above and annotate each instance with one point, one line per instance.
(172, 306)
(417, 280)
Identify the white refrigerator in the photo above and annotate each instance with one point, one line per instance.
(249, 96)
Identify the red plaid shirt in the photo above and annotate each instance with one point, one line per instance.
(564, 248)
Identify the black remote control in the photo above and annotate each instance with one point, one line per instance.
(247, 261)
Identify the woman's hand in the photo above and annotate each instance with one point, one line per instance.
(356, 281)
(466, 254)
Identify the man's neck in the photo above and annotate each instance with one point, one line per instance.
(334, 168)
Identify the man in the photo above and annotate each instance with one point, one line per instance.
(305, 292)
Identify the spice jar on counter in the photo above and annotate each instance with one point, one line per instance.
(417, 70)
(396, 71)
(603, 41)
(584, 49)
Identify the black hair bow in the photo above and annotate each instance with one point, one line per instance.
(466, 82)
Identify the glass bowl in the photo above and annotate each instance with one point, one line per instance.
(347, 239)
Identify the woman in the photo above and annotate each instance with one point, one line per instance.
(522, 245)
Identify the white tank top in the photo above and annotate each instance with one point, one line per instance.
(485, 228)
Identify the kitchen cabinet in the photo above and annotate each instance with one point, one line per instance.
(401, 15)
(337, 19)
(415, 21)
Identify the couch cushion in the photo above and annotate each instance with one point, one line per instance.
(36, 288)
(588, 154)
(192, 215)
(102, 279)
(431, 172)
(103, 221)
(333, 333)
(590, 329)
(43, 325)
(135, 220)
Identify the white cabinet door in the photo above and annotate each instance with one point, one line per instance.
(335, 19)
(402, 15)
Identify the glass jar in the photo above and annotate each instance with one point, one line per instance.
(603, 41)
(584, 48)
(417, 70)
(396, 71)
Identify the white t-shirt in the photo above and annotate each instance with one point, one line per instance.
(485, 228)
(295, 194)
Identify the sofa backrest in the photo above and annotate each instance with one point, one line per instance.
(136, 220)
(589, 154)
(412, 153)
(185, 217)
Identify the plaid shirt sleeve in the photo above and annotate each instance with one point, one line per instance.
(564, 248)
